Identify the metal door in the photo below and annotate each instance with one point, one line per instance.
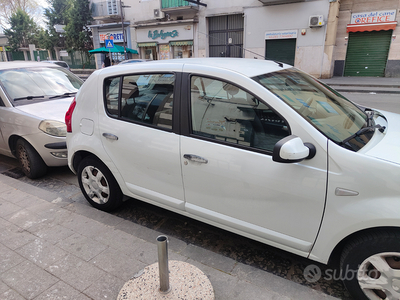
(226, 36)
(367, 53)
(283, 50)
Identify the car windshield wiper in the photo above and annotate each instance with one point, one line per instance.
(28, 98)
(362, 131)
(63, 95)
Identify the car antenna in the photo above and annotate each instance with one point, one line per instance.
(242, 48)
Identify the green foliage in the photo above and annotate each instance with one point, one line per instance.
(77, 31)
(22, 32)
(56, 14)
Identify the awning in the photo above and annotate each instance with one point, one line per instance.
(371, 26)
(151, 44)
(181, 43)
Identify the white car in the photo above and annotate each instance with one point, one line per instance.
(33, 100)
(255, 147)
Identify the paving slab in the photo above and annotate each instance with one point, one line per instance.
(51, 248)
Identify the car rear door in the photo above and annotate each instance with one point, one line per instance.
(229, 176)
(137, 134)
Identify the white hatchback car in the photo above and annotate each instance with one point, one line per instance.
(33, 100)
(255, 147)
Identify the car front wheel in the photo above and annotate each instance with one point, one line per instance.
(370, 266)
(98, 185)
(31, 163)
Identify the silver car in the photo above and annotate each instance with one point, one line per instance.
(33, 100)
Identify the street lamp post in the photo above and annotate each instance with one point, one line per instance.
(122, 22)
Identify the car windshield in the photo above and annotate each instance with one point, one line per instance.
(332, 114)
(25, 85)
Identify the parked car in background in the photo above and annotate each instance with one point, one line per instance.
(33, 99)
(255, 147)
(59, 62)
(135, 60)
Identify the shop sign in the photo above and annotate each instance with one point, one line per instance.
(280, 34)
(155, 34)
(117, 37)
(373, 17)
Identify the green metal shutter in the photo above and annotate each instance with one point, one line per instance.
(283, 50)
(367, 53)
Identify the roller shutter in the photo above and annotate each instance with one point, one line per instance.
(283, 50)
(367, 53)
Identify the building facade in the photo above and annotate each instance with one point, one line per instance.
(321, 37)
(367, 40)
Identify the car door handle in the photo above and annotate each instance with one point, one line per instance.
(110, 136)
(195, 158)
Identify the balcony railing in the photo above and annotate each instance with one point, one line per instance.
(277, 2)
(106, 9)
(178, 4)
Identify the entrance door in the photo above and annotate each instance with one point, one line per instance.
(283, 50)
(226, 36)
(367, 53)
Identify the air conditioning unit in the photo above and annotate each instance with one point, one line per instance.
(316, 21)
(158, 14)
(112, 7)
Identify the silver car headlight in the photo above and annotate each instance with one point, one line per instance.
(54, 128)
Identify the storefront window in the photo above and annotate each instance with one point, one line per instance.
(150, 53)
(117, 58)
(183, 51)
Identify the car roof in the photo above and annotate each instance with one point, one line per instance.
(24, 64)
(54, 61)
(245, 66)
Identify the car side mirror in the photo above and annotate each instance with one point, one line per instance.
(291, 149)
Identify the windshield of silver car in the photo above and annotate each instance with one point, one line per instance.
(27, 85)
(332, 114)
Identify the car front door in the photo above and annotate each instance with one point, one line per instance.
(230, 178)
(137, 133)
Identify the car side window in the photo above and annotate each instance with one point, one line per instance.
(225, 112)
(144, 98)
(111, 95)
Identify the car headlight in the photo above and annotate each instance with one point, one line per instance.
(54, 128)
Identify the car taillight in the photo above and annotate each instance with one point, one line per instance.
(68, 115)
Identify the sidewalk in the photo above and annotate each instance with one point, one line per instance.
(53, 248)
(381, 85)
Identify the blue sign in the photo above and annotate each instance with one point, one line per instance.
(109, 43)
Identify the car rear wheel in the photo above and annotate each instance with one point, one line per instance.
(98, 185)
(370, 266)
(31, 163)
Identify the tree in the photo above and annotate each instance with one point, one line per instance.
(10, 7)
(56, 14)
(77, 32)
(22, 32)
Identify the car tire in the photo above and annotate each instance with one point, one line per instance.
(30, 161)
(370, 265)
(98, 185)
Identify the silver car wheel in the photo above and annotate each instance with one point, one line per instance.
(379, 276)
(95, 184)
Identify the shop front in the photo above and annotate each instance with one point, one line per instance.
(113, 32)
(280, 45)
(165, 41)
(369, 43)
